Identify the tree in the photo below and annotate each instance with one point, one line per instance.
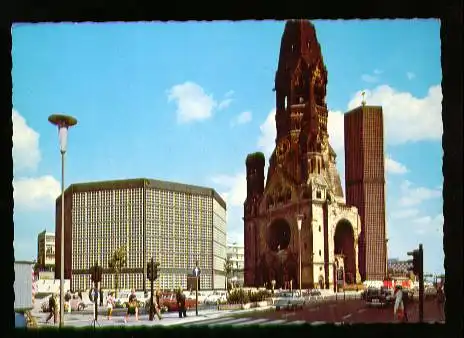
(228, 269)
(116, 263)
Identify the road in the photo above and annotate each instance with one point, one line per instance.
(349, 311)
(353, 311)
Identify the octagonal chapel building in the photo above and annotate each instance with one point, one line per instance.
(302, 179)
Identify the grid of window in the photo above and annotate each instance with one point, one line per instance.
(179, 232)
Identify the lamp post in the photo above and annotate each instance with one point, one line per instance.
(196, 273)
(63, 122)
(299, 221)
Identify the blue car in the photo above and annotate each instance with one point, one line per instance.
(20, 320)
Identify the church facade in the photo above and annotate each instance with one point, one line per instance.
(302, 183)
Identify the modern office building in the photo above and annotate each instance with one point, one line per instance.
(46, 251)
(365, 186)
(177, 224)
(236, 255)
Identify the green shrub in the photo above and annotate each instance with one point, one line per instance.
(258, 296)
(238, 296)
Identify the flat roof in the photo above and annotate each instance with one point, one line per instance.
(144, 182)
(363, 108)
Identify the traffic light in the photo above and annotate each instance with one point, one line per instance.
(96, 273)
(155, 271)
(416, 262)
(149, 271)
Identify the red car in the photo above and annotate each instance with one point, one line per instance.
(170, 302)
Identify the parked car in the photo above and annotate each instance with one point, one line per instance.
(170, 302)
(20, 320)
(78, 304)
(378, 296)
(201, 296)
(122, 300)
(315, 293)
(216, 297)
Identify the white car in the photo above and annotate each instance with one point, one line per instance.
(123, 299)
(201, 296)
(216, 297)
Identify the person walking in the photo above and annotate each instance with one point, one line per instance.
(67, 299)
(180, 298)
(94, 293)
(398, 310)
(132, 307)
(156, 305)
(101, 297)
(52, 307)
(441, 301)
(109, 305)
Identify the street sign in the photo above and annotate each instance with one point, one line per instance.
(196, 271)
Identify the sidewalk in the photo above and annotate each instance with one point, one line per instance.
(169, 319)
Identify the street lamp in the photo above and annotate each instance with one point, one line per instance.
(63, 122)
(299, 220)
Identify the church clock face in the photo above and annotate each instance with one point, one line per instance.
(281, 150)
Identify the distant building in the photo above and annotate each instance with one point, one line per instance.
(177, 224)
(365, 186)
(236, 254)
(398, 268)
(45, 251)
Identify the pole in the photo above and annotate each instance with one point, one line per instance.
(62, 244)
(299, 256)
(152, 307)
(196, 295)
(421, 284)
(95, 298)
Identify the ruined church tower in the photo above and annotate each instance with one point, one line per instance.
(302, 181)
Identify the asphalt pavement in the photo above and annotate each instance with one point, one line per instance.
(350, 311)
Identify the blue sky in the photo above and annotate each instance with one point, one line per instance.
(187, 101)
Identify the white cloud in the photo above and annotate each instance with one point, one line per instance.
(266, 140)
(224, 104)
(369, 78)
(410, 75)
(36, 193)
(242, 118)
(26, 152)
(394, 167)
(193, 103)
(428, 224)
(336, 130)
(232, 188)
(405, 213)
(406, 118)
(372, 78)
(229, 93)
(412, 196)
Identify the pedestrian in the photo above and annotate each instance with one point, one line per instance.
(109, 304)
(101, 297)
(406, 301)
(52, 308)
(67, 299)
(156, 305)
(132, 308)
(94, 293)
(441, 301)
(398, 310)
(180, 298)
